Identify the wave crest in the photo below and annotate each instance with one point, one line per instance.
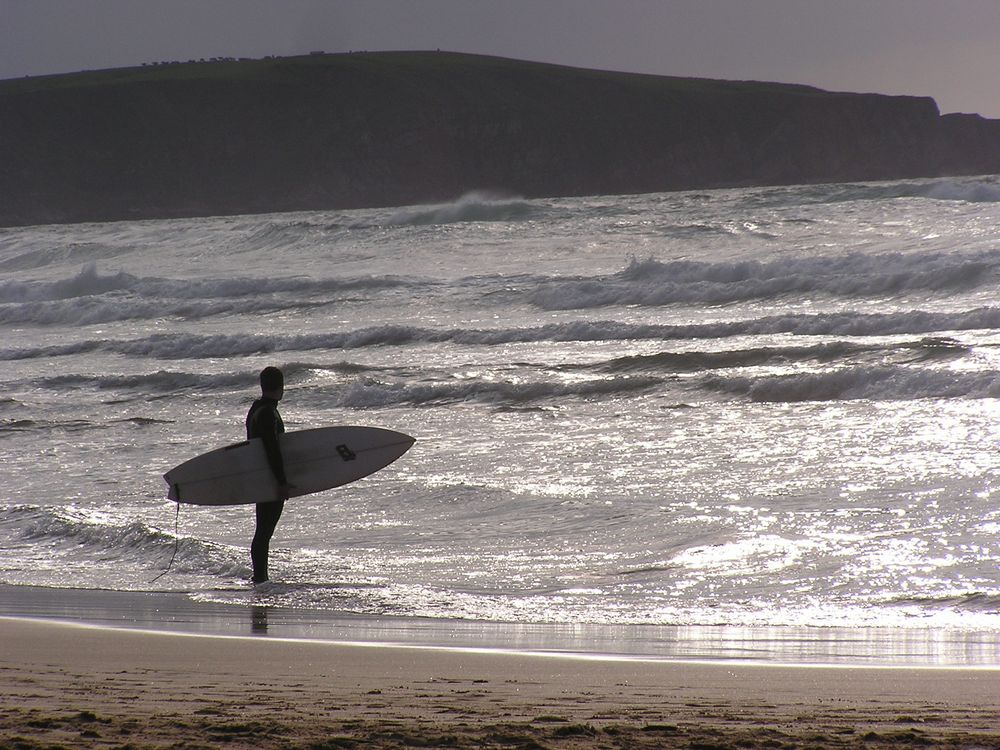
(965, 189)
(654, 283)
(883, 383)
(87, 282)
(50, 531)
(474, 206)
(196, 346)
(90, 297)
(369, 393)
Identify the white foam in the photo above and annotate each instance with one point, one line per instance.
(473, 206)
(108, 541)
(651, 282)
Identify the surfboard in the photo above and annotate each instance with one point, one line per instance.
(315, 460)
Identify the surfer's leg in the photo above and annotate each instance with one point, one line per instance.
(267, 518)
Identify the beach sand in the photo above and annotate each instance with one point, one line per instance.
(73, 686)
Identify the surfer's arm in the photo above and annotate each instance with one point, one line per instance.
(268, 431)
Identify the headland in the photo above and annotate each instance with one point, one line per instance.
(355, 130)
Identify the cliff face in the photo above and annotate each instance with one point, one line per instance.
(345, 131)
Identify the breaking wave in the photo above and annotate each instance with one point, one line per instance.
(171, 381)
(969, 189)
(653, 283)
(928, 349)
(889, 370)
(91, 282)
(195, 346)
(883, 383)
(103, 539)
(474, 206)
(161, 381)
(372, 393)
(95, 310)
(970, 192)
(974, 601)
(92, 297)
(365, 390)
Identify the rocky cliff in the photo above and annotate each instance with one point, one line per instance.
(354, 130)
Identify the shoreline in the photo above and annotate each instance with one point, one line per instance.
(818, 647)
(580, 656)
(96, 687)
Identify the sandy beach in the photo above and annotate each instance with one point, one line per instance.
(71, 685)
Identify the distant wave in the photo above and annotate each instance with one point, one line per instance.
(157, 382)
(652, 283)
(970, 192)
(279, 234)
(193, 346)
(966, 189)
(364, 391)
(372, 393)
(975, 601)
(474, 206)
(81, 253)
(90, 282)
(882, 383)
(94, 310)
(929, 349)
(86, 283)
(90, 296)
(171, 381)
(9, 428)
(869, 371)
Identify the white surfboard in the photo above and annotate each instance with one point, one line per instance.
(315, 460)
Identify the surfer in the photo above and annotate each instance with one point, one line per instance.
(264, 421)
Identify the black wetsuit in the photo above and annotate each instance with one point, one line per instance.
(264, 421)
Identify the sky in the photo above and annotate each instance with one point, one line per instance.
(947, 49)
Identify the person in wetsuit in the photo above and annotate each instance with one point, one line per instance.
(264, 421)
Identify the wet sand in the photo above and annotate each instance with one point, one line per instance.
(76, 686)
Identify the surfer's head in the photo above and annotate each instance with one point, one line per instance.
(272, 382)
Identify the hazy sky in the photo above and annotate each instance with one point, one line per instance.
(948, 49)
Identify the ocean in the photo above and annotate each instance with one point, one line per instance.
(774, 409)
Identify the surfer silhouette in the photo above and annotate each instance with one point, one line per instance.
(264, 421)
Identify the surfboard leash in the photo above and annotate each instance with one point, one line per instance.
(177, 544)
